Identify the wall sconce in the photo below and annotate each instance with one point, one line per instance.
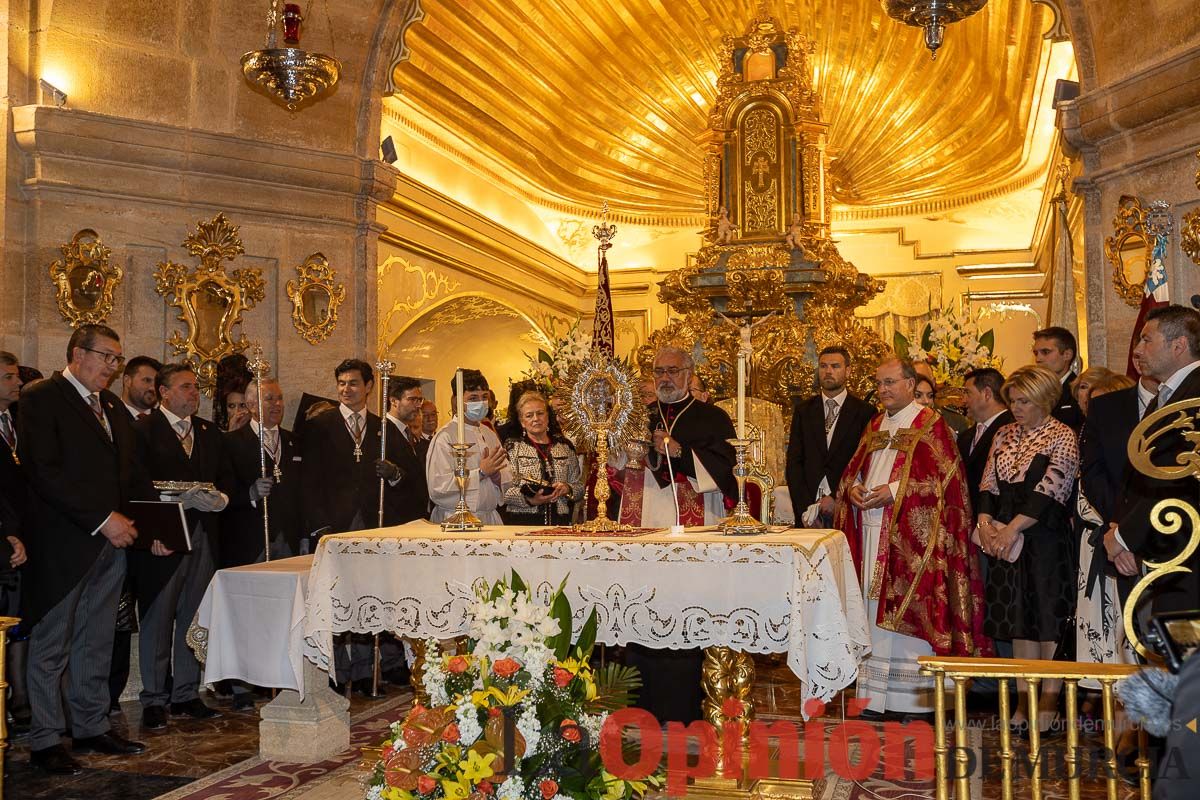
(52, 94)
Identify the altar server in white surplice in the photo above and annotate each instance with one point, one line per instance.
(488, 472)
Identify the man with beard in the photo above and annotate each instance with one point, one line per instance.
(137, 385)
(690, 464)
(825, 430)
(904, 506)
(406, 497)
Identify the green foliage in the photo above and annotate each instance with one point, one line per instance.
(900, 344)
(988, 340)
(617, 687)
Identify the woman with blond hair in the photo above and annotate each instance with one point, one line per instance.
(547, 479)
(1084, 386)
(1024, 528)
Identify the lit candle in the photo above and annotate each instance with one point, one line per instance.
(458, 407)
(741, 397)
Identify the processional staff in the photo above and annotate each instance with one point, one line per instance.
(260, 368)
(384, 368)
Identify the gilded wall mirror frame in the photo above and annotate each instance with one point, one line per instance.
(209, 300)
(1129, 249)
(85, 279)
(1189, 235)
(315, 298)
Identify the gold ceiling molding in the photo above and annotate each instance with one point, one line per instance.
(607, 99)
(412, 14)
(941, 204)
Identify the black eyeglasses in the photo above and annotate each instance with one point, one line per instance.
(112, 359)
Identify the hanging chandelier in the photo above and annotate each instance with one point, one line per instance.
(931, 15)
(289, 75)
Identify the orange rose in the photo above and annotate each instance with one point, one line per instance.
(426, 784)
(485, 787)
(549, 788)
(451, 733)
(562, 677)
(458, 665)
(506, 667)
(569, 730)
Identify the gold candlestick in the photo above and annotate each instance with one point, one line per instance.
(462, 519)
(740, 522)
(602, 524)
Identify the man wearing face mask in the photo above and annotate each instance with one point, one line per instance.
(488, 472)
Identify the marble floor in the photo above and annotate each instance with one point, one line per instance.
(191, 750)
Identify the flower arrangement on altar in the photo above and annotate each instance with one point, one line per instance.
(560, 353)
(952, 345)
(517, 717)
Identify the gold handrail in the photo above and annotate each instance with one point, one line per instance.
(1033, 672)
(5, 624)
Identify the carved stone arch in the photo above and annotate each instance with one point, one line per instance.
(1073, 14)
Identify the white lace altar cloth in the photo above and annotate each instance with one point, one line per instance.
(794, 592)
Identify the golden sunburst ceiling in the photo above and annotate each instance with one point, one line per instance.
(571, 101)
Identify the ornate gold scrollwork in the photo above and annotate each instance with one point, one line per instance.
(210, 302)
(1189, 235)
(315, 299)
(1167, 516)
(85, 280)
(1129, 248)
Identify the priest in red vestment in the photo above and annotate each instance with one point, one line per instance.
(905, 509)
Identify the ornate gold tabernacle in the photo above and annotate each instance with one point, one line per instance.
(210, 302)
(768, 246)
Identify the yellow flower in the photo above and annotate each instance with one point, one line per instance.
(476, 767)
(392, 793)
(456, 790)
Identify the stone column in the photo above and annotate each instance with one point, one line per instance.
(309, 730)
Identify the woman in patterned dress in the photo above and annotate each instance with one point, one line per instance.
(547, 479)
(1024, 528)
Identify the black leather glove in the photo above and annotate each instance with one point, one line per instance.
(388, 471)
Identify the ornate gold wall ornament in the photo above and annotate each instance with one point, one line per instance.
(1129, 249)
(288, 75)
(315, 299)
(84, 279)
(210, 302)
(1189, 235)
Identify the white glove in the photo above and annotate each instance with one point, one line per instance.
(203, 500)
(810, 515)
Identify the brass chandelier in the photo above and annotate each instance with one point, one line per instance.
(289, 75)
(931, 15)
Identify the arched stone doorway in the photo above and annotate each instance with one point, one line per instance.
(470, 330)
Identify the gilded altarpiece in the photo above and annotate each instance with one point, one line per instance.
(778, 268)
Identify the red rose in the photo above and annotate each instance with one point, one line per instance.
(494, 712)
(562, 677)
(451, 733)
(426, 784)
(732, 708)
(485, 786)
(457, 665)
(569, 730)
(506, 667)
(549, 788)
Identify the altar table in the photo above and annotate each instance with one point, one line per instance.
(794, 592)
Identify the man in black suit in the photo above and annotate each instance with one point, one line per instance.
(78, 450)
(987, 410)
(1055, 348)
(825, 433)
(1168, 350)
(13, 490)
(341, 452)
(407, 495)
(242, 523)
(341, 448)
(176, 445)
(138, 391)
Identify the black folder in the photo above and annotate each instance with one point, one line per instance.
(161, 520)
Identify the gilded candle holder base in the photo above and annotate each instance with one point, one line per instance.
(602, 524)
(740, 522)
(462, 519)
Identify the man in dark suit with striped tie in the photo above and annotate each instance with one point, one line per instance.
(78, 449)
(407, 495)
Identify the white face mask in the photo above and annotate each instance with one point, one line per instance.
(475, 410)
